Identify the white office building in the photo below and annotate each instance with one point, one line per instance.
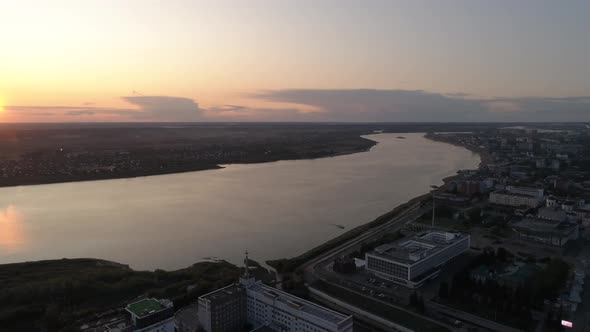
(412, 261)
(268, 306)
(266, 309)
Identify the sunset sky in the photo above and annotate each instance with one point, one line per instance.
(299, 60)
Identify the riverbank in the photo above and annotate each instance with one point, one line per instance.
(484, 155)
(288, 265)
(363, 145)
(53, 295)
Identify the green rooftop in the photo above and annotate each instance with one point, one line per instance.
(144, 307)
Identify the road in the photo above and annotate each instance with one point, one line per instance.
(315, 269)
(467, 317)
(407, 216)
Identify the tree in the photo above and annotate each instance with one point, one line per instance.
(502, 254)
(475, 215)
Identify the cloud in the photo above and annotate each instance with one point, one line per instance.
(77, 113)
(24, 112)
(360, 105)
(227, 108)
(315, 105)
(503, 106)
(367, 105)
(149, 108)
(164, 108)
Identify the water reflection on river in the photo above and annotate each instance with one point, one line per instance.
(12, 236)
(274, 210)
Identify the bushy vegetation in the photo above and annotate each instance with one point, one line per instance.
(53, 295)
(504, 302)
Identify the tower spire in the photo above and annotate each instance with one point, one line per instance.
(246, 280)
(247, 271)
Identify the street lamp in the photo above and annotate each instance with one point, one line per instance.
(434, 187)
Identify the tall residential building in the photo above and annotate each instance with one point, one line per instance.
(251, 303)
(223, 310)
(411, 262)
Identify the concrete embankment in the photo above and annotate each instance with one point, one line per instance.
(291, 264)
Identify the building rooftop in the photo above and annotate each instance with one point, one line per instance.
(265, 329)
(418, 247)
(508, 192)
(307, 307)
(551, 213)
(145, 307)
(538, 226)
(224, 293)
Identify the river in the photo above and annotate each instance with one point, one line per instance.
(273, 210)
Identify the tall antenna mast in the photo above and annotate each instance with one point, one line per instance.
(247, 272)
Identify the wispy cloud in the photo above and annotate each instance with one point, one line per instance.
(359, 105)
(419, 105)
(227, 108)
(148, 108)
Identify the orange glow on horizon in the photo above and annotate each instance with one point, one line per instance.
(12, 237)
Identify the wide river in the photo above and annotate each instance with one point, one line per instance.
(274, 210)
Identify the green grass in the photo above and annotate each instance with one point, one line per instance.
(144, 307)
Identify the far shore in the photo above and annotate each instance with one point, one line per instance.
(32, 181)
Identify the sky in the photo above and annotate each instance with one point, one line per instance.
(299, 60)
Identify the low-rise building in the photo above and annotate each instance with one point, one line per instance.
(554, 233)
(552, 213)
(566, 204)
(151, 315)
(517, 196)
(412, 261)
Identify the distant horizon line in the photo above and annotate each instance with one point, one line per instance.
(296, 122)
